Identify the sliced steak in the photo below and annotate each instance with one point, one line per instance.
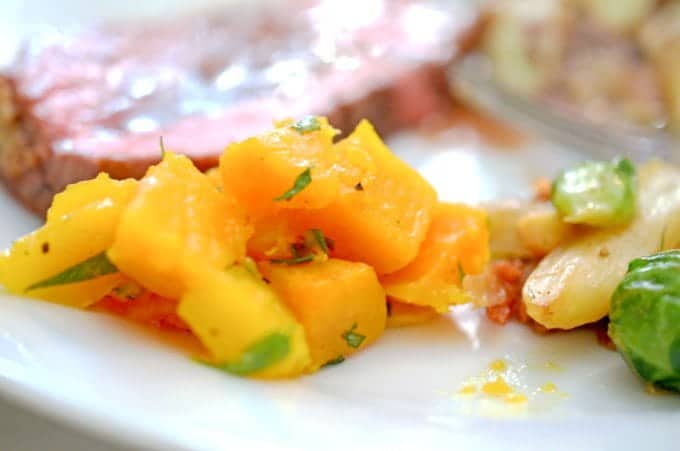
(98, 99)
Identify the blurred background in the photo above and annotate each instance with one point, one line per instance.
(100, 82)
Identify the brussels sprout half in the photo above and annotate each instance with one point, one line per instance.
(596, 193)
(645, 318)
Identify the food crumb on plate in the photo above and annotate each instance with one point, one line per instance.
(548, 387)
(498, 365)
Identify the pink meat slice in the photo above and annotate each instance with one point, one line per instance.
(78, 102)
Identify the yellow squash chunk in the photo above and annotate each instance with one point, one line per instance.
(78, 195)
(402, 314)
(374, 207)
(272, 237)
(385, 221)
(243, 324)
(177, 220)
(340, 304)
(264, 167)
(457, 243)
(81, 224)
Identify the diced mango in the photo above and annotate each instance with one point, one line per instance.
(233, 310)
(340, 304)
(177, 220)
(374, 207)
(401, 314)
(81, 224)
(456, 244)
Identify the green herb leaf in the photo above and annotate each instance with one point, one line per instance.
(306, 125)
(301, 182)
(264, 353)
(320, 239)
(162, 147)
(93, 267)
(352, 338)
(249, 264)
(336, 361)
(461, 272)
(293, 260)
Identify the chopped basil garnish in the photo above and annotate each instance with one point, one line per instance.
(249, 264)
(293, 260)
(320, 239)
(339, 359)
(461, 272)
(264, 353)
(352, 338)
(307, 124)
(93, 267)
(301, 182)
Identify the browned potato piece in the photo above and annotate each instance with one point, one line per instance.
(573, 284)
(541, 229)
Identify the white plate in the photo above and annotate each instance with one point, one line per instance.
(94, 372)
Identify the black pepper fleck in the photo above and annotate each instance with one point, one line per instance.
(267, 281)
(45, 247)
(359, 187)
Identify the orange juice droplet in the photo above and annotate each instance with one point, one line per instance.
(496, 387)
(467, 390)
(515, 398)
(498, 366)
(549, 387)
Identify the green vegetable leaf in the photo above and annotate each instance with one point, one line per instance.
(301, 182)
(250, 265)
(624, 166)
(306, 125)
(320, 239)
(336, 361)
(461, 272)
(93, 267)
(674, 354)
(643, 318)
(352, 338)
(293, 260)
(264, 353)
